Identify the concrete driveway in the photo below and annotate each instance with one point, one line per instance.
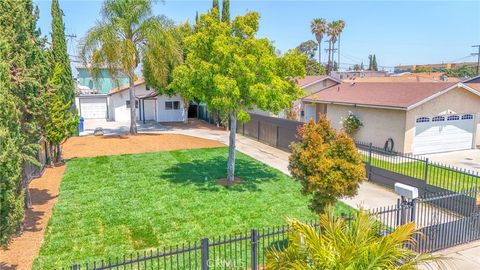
(466, 159)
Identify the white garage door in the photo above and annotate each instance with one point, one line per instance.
(91, 108)
(443, 133)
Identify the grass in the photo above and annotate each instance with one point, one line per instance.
(436, 175)
(114, 205)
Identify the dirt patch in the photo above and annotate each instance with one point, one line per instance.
(224, 182)
(93, 146)
(23, 249)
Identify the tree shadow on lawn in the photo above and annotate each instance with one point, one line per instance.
(204, 174)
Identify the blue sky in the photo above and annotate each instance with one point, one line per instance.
(397, 32)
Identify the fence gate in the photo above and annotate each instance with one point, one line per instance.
(438, 218)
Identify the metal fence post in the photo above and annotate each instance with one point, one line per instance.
(425, 177)
(369, 161)
(204, 253)
(254, 240)
(413, 213)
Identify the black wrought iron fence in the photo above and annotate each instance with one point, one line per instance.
(387, 168)
(238, 251)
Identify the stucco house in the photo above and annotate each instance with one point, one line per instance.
(150, 105)
(102, 84)
(420, 117)
(310, 84)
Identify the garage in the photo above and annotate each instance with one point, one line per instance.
(443, 133)
(93, 107)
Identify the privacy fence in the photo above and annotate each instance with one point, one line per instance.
(439, 229)
(383, 167)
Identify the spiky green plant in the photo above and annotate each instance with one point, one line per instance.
(354, 244)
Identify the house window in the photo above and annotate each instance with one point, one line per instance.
(438, 119)
(467, 116)
(453, 118)
(423, 119)
(172, 105)
(128, 104)
(147, 88)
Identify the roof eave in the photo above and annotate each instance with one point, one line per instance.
(357, 104)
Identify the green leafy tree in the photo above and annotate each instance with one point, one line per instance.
(461, 72)
(326, 163)
(370, 62)
(309, 48)
(232, 71)
(354, 244)
(11, 191)
(319, 28)
(119, 42)
(60, 54)
(226, 11)
(62, 123)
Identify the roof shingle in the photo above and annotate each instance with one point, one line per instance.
(382, 94)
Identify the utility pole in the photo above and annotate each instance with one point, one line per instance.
(478, 58)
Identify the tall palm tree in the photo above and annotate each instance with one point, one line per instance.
(319, 28)
(342, 244)
(120, 40)
(334, 30)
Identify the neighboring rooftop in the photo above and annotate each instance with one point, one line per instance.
(138, 82)
(308, 80)
(400, 95)
(409, 77)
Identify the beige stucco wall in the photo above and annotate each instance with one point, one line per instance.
(456, 101)
(318, 86)
(378, 124)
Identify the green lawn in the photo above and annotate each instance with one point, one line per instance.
(114, 205)
(436, 175)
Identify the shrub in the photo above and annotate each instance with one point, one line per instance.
(326, 163)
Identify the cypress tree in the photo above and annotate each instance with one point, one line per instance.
(60, 54)
(11, 193)
(215, 5)
(374, 63)
(24, 76)
(226, 11)
(196, 17)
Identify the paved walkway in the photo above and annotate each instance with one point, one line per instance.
(466, 159)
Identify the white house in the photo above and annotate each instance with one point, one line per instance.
(115, 105)
(150, 105)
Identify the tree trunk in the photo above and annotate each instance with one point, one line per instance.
(58, 153)
(133, 112)
(231, 149)
(186, 105)
(49, 154)
(319, 52)
(338, 53)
